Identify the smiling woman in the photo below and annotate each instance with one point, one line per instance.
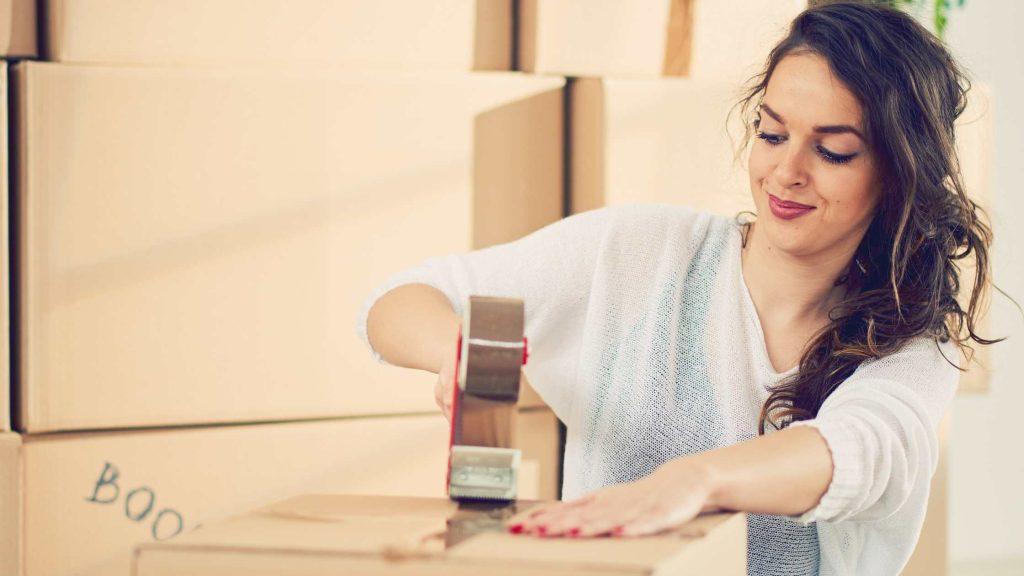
(795, 367)
(854, 160)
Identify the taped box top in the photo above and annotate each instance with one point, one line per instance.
(332, 534)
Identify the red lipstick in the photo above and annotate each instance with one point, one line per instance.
(787, 210)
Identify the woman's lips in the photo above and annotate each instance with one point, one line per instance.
(787, 210)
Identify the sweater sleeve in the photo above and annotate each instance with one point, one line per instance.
(550, 269)
(881, 427)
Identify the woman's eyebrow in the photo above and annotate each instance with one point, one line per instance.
(831, 129)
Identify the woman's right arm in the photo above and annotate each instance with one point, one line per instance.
(412, 319)
(413, 326)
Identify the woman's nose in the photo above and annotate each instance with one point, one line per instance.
(791, 172)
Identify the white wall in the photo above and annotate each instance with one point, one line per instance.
(987, 433)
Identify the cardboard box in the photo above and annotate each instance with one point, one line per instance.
(5, 268)
(658, 140)
(724, 41)
(195, 244)
(10, 503)
(18, 29)
(338, 534)
(442, 34)
(89, 498)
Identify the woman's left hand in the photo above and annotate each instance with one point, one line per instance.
(675, 493)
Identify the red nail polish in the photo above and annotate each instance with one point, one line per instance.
(542, 530)
(574, 532)
(515, 528)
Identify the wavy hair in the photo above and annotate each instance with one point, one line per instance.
(904, 279)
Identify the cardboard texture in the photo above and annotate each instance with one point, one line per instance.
(660, 140)
(333, 534)
(18, 29)
(10, 504)
(196, 243)
(931, 556)
(443, 34)
(90, 497)
(722, 41)
(5, 268)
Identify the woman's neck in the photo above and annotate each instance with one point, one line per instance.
(789, 288)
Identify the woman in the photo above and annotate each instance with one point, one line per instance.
(665, 339)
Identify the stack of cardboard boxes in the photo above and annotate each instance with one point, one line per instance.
(204, 192)
(202, 195)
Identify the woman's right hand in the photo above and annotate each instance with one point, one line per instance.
(446, 381)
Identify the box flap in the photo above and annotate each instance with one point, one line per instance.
(336, 527)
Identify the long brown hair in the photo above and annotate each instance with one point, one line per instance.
(905, 276)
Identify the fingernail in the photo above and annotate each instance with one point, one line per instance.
(515, 528)
(574, 532)
(542, 530)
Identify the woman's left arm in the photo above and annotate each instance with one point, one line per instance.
(871, 449)
(783, 473)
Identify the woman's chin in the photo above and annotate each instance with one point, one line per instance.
(789, 238)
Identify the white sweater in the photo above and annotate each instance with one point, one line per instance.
(645, 342)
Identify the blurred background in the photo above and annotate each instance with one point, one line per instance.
(986, 466)
(197, 196)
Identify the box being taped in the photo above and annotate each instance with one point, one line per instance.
(318, 535)
(88, 499)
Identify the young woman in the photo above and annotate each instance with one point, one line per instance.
(666, 339)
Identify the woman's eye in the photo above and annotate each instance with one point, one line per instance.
(825, 153)
(833, 158)
(772, 139)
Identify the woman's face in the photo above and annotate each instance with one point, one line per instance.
(811, 174)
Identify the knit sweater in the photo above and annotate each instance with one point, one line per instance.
(645, 342)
